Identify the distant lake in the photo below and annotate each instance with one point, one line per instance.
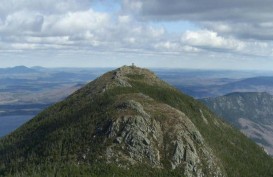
(10, 123)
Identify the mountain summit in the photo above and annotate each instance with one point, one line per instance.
(128, 122)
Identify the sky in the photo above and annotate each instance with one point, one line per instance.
(199, 34)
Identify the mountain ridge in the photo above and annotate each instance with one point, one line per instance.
(128, 122)
(251, 112)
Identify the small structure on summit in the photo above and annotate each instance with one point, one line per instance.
(133, 65)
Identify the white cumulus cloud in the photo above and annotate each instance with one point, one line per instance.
(210, 39)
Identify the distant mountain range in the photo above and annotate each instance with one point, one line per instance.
(17, 70)
(219, 87)
(251, 112)
(257, 84)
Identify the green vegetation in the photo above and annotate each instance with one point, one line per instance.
(96, 170)
(67, 138)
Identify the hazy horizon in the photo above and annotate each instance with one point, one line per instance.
(236, 73)
(156, 68)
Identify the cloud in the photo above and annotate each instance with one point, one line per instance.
(246, 19)
(45, 7)
(206, 10)
(210, 39)
(32, 30)
(129, 6)
(213, 42)
(244, 30)
(46, 25)
(73, 27)
(75, 22)
(224, 28)
(21, 22)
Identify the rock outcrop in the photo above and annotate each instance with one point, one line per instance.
(171, 140)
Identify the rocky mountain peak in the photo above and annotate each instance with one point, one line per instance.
(123, 77)
(126, 73)
(134, 70)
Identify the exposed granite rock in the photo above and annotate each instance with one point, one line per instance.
(140, 137)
